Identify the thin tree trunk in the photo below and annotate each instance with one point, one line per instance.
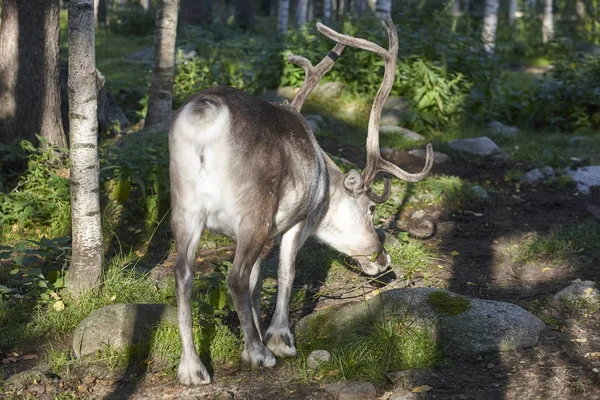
(161, 85)
(282, 16)
(246, 13)
(383, 8)
(146, 4)
(327, 10)
(512, 9)
(456, 12)
(301, 10)
(195, 12)
(490, 23)
(86, 262)
(548, 22)
(29, 72)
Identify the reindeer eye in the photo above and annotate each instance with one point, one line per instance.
(372, 209)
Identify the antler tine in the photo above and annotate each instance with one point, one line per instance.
(313, 74)
(375, 163)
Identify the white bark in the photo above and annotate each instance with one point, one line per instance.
(283, 13)
(383, 8)
(490, 23)
(512, 9)
(456, 9)
(301, 11)
(160, 101)
(86, 263)
(326, 10)
(548, 22)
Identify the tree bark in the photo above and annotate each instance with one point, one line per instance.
(548, 22)
(383, 8)
(29, 72)
(326, 10)
(86, 262)
(301, 11)
(195, 12)
(283, 13)
(512, 9)
(490, 23)
(245, 11)
(161, 85)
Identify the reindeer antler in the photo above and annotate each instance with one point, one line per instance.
(313, 74)
(375, 163)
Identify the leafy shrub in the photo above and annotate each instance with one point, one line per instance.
(570, 99)
(40, 198)
(136, 173)
(226, 59)
(131, 20)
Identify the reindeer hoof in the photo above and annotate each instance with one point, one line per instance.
(191, 371)
(280, 342)
(260, 357)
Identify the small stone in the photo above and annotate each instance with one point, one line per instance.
(403, 394)
(438, 158)
(386, 151)
(418, 214)
(582, 290)
(547, 171)
(314, 126)
(501, 129)
(533, 176)
(480, 192)
(481, 146)
(351, 390)
(315, 117)
(586, 178)
(224, 395)
(400, 131)
(36, 388)
(317, 357)
(577, 140)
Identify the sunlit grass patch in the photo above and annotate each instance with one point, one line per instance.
(386, 346)
(575, 246)
(412, 258)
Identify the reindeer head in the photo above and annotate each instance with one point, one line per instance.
(348, 223)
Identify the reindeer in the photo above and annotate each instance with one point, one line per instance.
(253, 171)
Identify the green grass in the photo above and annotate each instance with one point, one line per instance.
(576, 246)
(389, 345)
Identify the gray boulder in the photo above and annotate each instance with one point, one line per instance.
(587, 178)
(398, 130)
(537, 175)
(459, 325)
(145, 55)
(438, 158)
(481, 146)
(20, 380)
(499, 128)
(317, 357)
(580, 290)
(351, 390)
(329, 90)
(120, 325)
(392, 111)
(280, 94)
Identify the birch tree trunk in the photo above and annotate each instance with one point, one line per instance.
(161, 85)
(326, 11)
(383, 8)
(29, 72)
(456, 12)
(548, 22)
(86, 262)
(283, 13)
(490, 23)
(512, 9)
(301, 10)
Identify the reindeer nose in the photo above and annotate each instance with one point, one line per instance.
(383, 260)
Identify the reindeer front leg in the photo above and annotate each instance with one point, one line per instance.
(279, 339)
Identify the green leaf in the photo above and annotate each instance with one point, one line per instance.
(218, 297)
(14, 271)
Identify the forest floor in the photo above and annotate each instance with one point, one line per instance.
(476, 248)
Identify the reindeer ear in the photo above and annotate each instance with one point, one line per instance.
(353, 183)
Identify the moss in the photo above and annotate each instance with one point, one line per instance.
(444, 303)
